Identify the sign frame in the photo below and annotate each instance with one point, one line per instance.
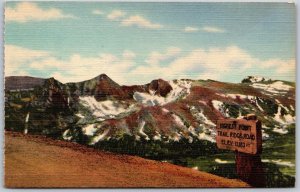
(240, 135)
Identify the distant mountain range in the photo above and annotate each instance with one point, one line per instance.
(100, 109)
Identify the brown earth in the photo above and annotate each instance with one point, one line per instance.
(37, 161)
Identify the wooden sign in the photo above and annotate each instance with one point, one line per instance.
(239, 135)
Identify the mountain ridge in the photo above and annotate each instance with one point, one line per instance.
(22, 79)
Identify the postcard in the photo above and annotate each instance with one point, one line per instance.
(149, 95)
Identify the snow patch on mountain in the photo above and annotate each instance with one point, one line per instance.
(105, 109)
(203, 136)
(66, 135)
(275, 88)
(289, 119)
(165, 110)
(79, 115)
(199, 115)
(265, 135)
(141, 130)
(157, 136)
(251, 98)
(279, 162)
(89, 129)
(219, 105)
(176, 137)
(220, 161)
(191, 129)
(178, 120)
(283, 163)
(280, 130)
(202, 102)
(285, 108)
(258, 106)
(27, 117)
(241, 96)
(285, 119)
(149, 99)
(180, 89)
(240, 116)
(278, 116)
(99, 137)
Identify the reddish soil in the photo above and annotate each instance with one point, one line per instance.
(36, 161)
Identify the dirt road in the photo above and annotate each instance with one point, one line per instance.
(36, 161)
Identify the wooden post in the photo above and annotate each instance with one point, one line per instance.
(249, 167)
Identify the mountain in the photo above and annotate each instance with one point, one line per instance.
(22, 82)
(102, 87)
(100, 109)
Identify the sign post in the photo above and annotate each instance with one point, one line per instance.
(245, 138)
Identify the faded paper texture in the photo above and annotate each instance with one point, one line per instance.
(128, 94)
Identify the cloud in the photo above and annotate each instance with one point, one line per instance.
(156, 58)
(222, 64)
(16, 57)
(79, 68)
(116, 14)
(97, 12)
(132, 20)
(140, 21)
(208, 29)
(214, 60)
(280, 66)
(211, 29)
(19, 61)
(201, 63)
(191, 29)
(214, 63)
(27, 11)
(127, 54)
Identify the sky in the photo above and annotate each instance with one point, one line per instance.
(134, 43)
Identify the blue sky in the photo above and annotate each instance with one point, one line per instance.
(134, 43)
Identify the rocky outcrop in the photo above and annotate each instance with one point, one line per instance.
(255, 79)
(160, 87)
